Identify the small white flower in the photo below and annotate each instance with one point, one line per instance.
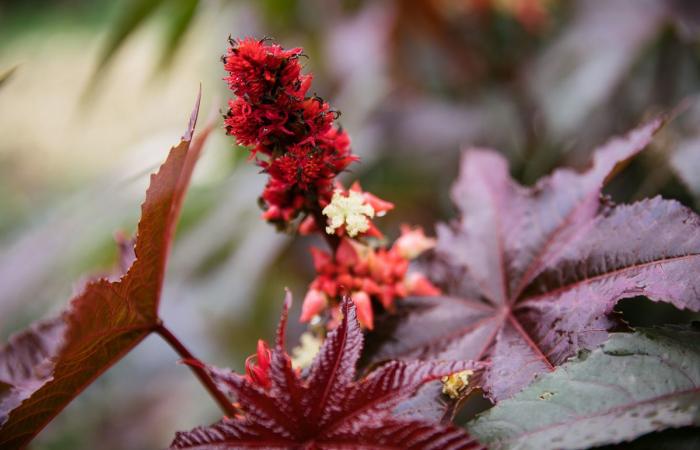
(350, 210)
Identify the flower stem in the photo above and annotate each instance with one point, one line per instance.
(331, 239)
(198, 368)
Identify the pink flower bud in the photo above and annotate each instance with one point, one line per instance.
(418, 284)
(379, 206)
(308, 226)
(315, 301)
(413, 242)
(272, 213)
(364, 309)
(346, 255)
(258, 372)
(321, 259)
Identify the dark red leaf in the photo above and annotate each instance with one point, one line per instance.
(49, 364)
(533, 274)
(326, 408)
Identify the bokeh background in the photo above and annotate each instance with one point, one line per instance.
(94, 92)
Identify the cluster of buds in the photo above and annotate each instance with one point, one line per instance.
(303, 150)
(365, 273)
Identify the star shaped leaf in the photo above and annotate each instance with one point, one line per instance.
(325, 407)
(532, 274)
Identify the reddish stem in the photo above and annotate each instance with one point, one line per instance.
(198, 369)
(332, 240)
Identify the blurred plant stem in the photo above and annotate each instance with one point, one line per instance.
(197, 367)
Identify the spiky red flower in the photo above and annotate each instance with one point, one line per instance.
(258, 69)
(303, 151)
(325, 408)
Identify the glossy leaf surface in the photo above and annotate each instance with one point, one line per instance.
(634, 384)
(533, 273)
(43, 368)
(326, 408)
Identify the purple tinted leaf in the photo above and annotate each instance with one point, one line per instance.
(232, 434)
(543, 267)
(327, 408)
(387, 387)
(27, 363)
(334, 367)
(229, 433)
(451, 328)
(51, 363)
(260, 408)
(405, 435)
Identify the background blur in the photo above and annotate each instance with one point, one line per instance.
(94, 92)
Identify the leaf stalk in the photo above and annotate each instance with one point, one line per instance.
(197, 367)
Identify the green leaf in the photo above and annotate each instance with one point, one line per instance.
(636, 383)
(179, 20)
(133, 14)
(686, 438)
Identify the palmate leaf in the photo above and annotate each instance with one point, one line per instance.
(326, 408)
(43, 368)
(533, 274)
(634, 384)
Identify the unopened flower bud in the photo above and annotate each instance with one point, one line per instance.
(364, 309)
(419, 285)
(258, 372)
(413, 242)
(315, 301)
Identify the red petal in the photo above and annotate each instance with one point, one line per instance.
(346, 255)
(380, 206)
(418, 284)
(321, 259)
(308, 226)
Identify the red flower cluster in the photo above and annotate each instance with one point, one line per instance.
(272, 112)
(303, 152)
(363, 273)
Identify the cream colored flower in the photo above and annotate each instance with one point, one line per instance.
(304, 354)
(350, 210)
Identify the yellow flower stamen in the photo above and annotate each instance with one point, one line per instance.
(304, 354)
(350, 210)
(454, 384)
